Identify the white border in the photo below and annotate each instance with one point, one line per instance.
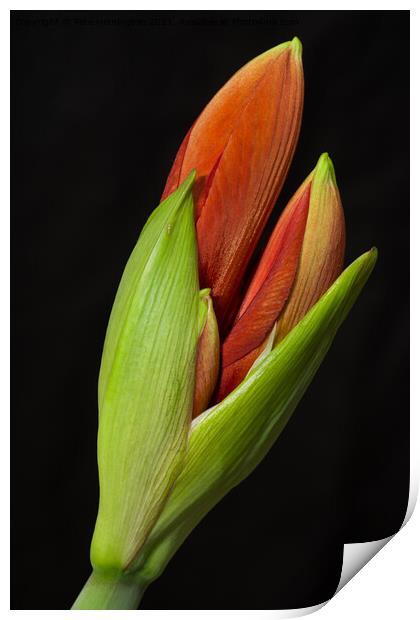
(388, 585)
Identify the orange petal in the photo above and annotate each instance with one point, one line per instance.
(233, 374)
(241, 146)
(323, 247)
(207, 364)
(271, 284)
(267, 292)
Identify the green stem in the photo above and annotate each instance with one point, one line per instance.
(110, 592)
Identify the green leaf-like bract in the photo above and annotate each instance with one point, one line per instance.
(227, 442)
(145, 384)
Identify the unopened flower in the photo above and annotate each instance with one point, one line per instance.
(196, 386)
(241, 146)
(302, 259)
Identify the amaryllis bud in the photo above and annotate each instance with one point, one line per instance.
(160, 470)
(208, 356)
(322, 255)
(241, 146)
(302, 259)
(146, 381)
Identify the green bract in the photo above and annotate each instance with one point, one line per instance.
(145, 385)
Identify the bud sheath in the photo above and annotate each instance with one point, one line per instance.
(146, 381)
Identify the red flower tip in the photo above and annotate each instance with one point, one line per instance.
(241, 146)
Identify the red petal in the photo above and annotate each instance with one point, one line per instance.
(250, 129)
(267, 293)
(271, 284)
(233, 375)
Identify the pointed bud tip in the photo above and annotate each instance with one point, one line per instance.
(295, 46)
(365, 263)
(186, 185)
(372, 255)
(324, 169)
(205, 293)
(182, 192)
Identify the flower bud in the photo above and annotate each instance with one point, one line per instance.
(302, 259)
(322, 255)
(208, 355)
(241, 145)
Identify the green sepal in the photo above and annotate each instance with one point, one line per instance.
(145, 386)
(229, 440)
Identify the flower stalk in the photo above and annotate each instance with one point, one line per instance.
(117, 591)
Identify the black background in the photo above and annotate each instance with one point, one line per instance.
(98, 112)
